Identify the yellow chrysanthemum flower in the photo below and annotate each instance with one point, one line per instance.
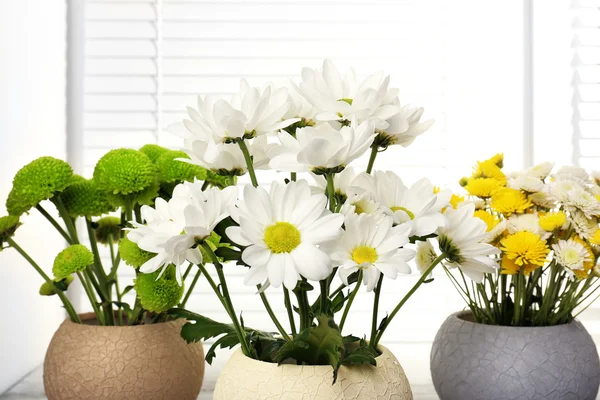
(482, 187)
(489, 169)
(490, 220)
(455, 200)
(552, 220)
(587, 265)
(596, 238)
(498, 159)
(509, 201)
(523, 250)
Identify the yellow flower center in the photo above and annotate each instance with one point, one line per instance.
(364, 254)
(398, 208)
(282, 237)
(358, 208)
(571, 256)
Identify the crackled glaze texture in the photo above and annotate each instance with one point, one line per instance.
(243, 378)
(132, 362)
(484, 362)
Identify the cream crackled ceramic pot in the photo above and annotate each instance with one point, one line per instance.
(147, 362)
(244, 378)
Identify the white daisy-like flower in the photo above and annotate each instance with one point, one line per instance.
(406, 125)
(571, 254)
(540, 171)
(283, 230)
(543, 199)
(299, 106)
(461, 241)
(527, 183)
(493, 234)
(321, 147)
(426, 255)
(251, 112)
(172, 228)
(418, 206)
(572, 173)
(581, 200)
(227, 157)
(561, 188)
(526, 222)
(361, 202)
(596, 177)
(584, 226)
(372, 244)
(341, 99)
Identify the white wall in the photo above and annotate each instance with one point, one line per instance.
(32, 124)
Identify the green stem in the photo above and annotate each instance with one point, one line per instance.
(65, 300)
(191, 288)
(376, 309)
(64, 214)
(350, 300)
(55, 224)
(330, 191)
(406, 297)
(303, 309)
(138, 214)
(265, 301)
(102, 286)
(293, 176)
(90, 294)
(290, 310)
(187, 272)
(227, 299)
(205, 185)
(374, 150)
(249, 162)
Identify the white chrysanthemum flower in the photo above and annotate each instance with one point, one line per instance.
(418, 206)
(596, 177)
(572, 173)
(480, 204)
(321, 147)
(493, 234)
(282, 230)
(299, 106)
(361, 203)
(370, 243)
(527, 183)
(584, 226)
(540, 171)
(405, 126)
(172, 228)
(226, 157)
(526, 222)
(341, 99)
(543, 199)
(251, 112)
(571, 254)
(342, 182)
(561, 188)
(426, 255)
(581, 200)
(461, 241)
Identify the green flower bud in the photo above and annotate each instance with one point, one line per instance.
(132, 254)
(51, 289)
(172, 170)
(158, 294)
(39, 180)
(74, 258)
(153, 151)
(464, 181)
(220, 181)
(107, 227)
(84, 198)
(8, 226)
(126, 174)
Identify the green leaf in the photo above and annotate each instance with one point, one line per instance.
(228, 254)
(222, 226)
(414, 239)
(337, 304)
(428, 280)
(226, 341)
(200, 327)
(304, 286)
(350, 339)
(126, 307)
(126, 290)
(319, 345)
(360, 356)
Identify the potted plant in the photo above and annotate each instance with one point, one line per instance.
(520, 337)
(123, 349)
(299, 237)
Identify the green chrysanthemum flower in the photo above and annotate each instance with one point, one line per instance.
(132, 254)
(83, 198)
(172, 170)
(74, 258)
(153, 151)
(158, 295)
(107, 227)
(8, 226)
(39, 180)
(129, 176)
(61, 284)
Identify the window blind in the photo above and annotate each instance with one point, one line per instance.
(145, 61)
(586, 83)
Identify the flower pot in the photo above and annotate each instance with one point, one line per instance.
(486, 362)
(86, 361)
(244, 378)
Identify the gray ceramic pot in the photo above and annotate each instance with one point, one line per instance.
(471, 361)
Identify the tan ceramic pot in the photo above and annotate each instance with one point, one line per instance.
(86, 361)
(244, 378)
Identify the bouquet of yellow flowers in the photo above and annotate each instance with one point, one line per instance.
(546, 228)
